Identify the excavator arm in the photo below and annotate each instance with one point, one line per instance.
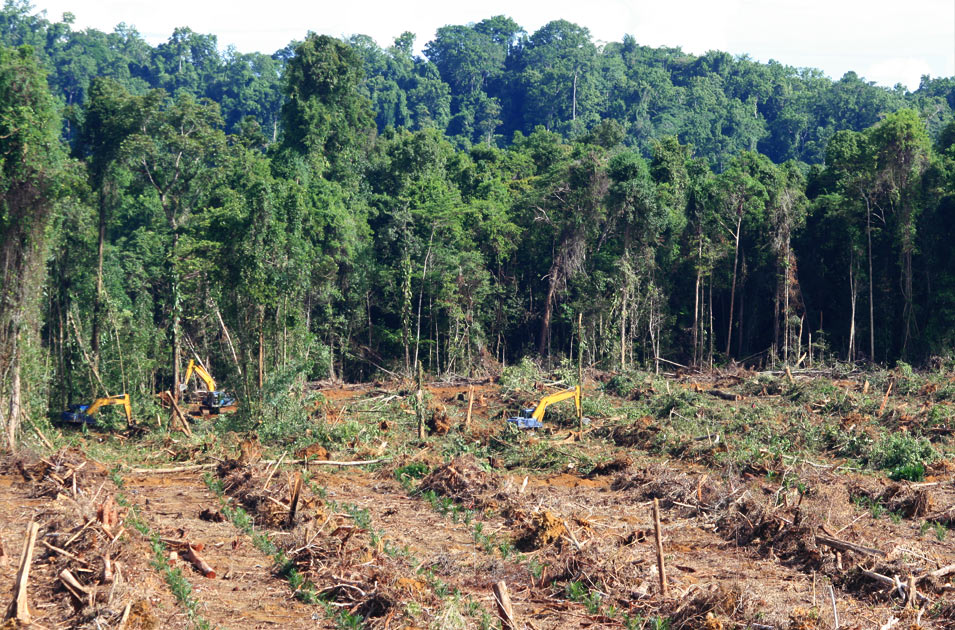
(84, 414)
(198, 370)
(532, 418)
(555, 398)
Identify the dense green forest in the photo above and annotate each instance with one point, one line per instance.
(339, 210)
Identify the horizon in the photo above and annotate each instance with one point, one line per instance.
(852, 39)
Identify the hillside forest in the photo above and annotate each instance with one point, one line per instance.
(339, 210)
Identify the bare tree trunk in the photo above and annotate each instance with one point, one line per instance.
(542, 342)
(786, 307)
(98, 298)
(852, 302)
(729, 332)
(13, 411)
(696, 306)
(868, 232)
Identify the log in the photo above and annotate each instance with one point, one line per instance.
(843, 545)
(661, 567)
(885, 399)
(125, 617)
(505, 611)
(939, 573)
(202, 565)
(73, 584)
(724, 395)
(318, 462)
(182, 544)
(293, 499)
(170, 471)
(184, 424)
(467, 418)
(19, 608)
(107, 570)
(884, 579)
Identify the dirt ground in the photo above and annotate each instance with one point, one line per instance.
(420, 539)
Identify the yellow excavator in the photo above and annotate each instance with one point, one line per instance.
(531, 418)
(84, 414)
(211, 400)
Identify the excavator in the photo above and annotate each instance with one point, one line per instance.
(211, 400)
(531, 418)
(84, 414)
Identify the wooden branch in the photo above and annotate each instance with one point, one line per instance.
(125, 617)
(193, 557)
(467, 418)
(182, 544)
(842, 545)
(19, 608)
(884, 579)
(63, 552)
(505, 611)
(835, 611)
(170, 471)
(184, 424)
(268, 479)
(73, 584)
(661, 567)
(107, 570)
(885, 399)
(293, 499)
(944, 571)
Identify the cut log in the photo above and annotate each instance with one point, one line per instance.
(661, 567)
(293, 499)
(107, 570)
(467, 418)
(193, 557)
(182, 544)
(842, 545)
(19, 608)
(73, 585)
(724, 395)
(505, 611)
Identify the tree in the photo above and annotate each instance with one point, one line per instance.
(33, 176)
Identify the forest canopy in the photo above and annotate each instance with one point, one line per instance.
(342, 210)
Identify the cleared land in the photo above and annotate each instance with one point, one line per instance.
(772, 488)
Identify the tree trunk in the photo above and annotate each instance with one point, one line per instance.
(13, 411)
(696, 307)
(852, 302)
(548, 310)
(729, 332)
(98, 298)
(868, 232)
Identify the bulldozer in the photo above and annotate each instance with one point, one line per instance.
(532, 418)
(85, 414)
(205, 401)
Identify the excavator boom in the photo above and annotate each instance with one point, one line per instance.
(533, 418)
(84, 414)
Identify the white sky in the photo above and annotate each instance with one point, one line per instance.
(886, 41)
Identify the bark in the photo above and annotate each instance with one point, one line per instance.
(729, 332)
(13, 412)
(868, 232)
(696, 307)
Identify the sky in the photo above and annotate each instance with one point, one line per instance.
(885, 41)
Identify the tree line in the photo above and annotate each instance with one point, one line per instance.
(348, 212)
